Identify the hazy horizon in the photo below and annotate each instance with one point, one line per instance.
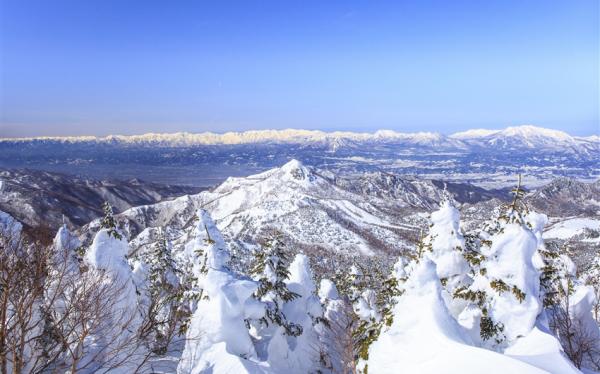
(72, 68)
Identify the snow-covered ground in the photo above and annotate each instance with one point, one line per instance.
(571, 227)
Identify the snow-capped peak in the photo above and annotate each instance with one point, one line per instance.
(528, 131)
(299, 136)
(292, 165)
(294, 170)
(525, 132)
(472, 134)
(526, 136)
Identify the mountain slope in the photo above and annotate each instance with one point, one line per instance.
(307, 208)
(318, 210)
(39, 198)
(315, 210)
(567, 197)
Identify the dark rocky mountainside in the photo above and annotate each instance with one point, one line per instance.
(38, 198)
(567, 197)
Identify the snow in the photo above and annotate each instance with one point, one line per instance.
(300, 136)
(542, 350)
(528, 131)
(108, 253)
(365, 307)
(474, 133)
(510, 258)
(10, 227)
(65, 240)
(336, 313)
(298, 354)
(217, 338)
(425, 338)
(428, 336)
(296, 200)
(64, 245)
(446, 241)
(328, 290)
(571, 227)
(107, 257)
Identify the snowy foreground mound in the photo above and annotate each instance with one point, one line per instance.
(487, 315)
(425, 338)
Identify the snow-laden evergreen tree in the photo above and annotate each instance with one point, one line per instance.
(270, 270)
(202, 243)
(447, 244)
(217, 339)
(390, 291)
(117, 332)
(504, 293)
(164, 305)
(336, 349)
(371, 309)
(298, 353)
(425, 336)
(108, 221)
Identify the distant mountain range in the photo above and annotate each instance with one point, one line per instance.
(485, 157)
(521, 136)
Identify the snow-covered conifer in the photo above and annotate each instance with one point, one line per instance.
(446, 244)
(270, 269)
(119, 326)
(504, 294)
(298, 353)
(108, 221)
(217, 339)
(164, 302)
(337, 343)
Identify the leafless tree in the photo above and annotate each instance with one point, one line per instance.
(337, 349)
(58, 315)
(579, 341)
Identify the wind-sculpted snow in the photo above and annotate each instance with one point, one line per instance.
(425, 338)
(508, 308)
(218, 339)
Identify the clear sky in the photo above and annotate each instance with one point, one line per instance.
(101, 66)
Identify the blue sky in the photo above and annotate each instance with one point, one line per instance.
(126, 67)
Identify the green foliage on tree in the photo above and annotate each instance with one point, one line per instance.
(166, 310)
(476, 245)
(270, 268)
(108, 221)
(363, 281)
(516, 210)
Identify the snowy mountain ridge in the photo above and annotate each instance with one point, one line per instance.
(317, 210)
(310, 209)
(527, 133)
